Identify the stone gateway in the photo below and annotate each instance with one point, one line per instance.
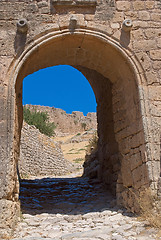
(117, 46)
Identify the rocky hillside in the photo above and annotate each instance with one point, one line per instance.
(68, 123)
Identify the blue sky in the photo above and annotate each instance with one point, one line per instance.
(60, 86)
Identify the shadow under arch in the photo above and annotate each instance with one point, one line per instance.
(95, 51)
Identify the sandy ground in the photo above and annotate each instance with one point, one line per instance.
(74, 151)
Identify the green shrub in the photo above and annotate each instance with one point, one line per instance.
(40, 120)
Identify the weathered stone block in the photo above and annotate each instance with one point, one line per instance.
(135, 160)
(152, 77)
(155, 93)
(151, 33)
(126, 172)
(155, 54)
(137, 140)
(118, 17)
(144, 45)
(115, 25)
(133, 15)
(136, 173)
(150, 4)
(155, 16)
(144, 15)
(139, 24)
(123, 5)
(156, 64)
(138, 5)
(144, 60)
(137, 34)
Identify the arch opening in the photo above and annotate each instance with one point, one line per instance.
(47, 158)
(59, 102)
(107, 166)
(121, 147)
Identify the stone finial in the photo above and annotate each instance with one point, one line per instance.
(73, 22)
(22, 25)
(127, 25)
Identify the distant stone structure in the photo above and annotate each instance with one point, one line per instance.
(116, 44)
(40, 155)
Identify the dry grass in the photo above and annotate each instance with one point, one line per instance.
(72, 151)
(150, 208)
(78, 160)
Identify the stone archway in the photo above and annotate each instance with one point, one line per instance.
(118, 82)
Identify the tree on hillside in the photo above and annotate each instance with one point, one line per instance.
(40, 120)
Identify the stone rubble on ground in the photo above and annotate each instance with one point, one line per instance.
(75, 208)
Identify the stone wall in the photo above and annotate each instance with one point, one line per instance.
(68, 123)
(41, 155)
(107, 155)
(89, 34)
